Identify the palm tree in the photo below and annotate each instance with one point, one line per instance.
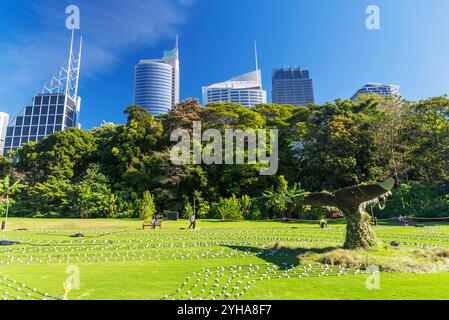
(283, 199)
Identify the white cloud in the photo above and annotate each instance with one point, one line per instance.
(38, 45)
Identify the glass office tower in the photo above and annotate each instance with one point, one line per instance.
(153, 86)
(54, 109)
(156, 83)
(292, 86)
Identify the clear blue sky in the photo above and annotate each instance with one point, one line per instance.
(216, 42)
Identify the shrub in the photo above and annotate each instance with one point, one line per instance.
(418, 199)
(148, 208)
(188, 210)
(229, 209)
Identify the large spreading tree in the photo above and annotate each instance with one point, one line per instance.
(352, 201)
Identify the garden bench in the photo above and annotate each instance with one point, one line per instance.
(149, 224)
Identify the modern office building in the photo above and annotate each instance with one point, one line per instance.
(156, 83)
(4, 121)
(292, 86)
(245, 90)
(55, 108)
(378, 88)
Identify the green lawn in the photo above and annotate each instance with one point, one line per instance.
(221, 260)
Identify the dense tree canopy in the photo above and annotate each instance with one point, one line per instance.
(119, 170)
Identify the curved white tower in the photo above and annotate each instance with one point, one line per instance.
(156, 83)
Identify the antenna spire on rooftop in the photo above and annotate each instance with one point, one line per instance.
(257, 63)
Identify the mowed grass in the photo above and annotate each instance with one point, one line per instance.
(116, 259)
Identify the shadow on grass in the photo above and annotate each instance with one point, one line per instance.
(284, 257)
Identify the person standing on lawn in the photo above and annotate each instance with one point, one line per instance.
(193, 221)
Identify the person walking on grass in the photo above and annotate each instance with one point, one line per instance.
(193, 222)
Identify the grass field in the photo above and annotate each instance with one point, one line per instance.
(222, 260)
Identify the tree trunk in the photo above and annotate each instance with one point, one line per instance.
(359, 234)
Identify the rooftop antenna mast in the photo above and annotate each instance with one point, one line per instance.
(257, 64)
(69, 64)
(79, 65)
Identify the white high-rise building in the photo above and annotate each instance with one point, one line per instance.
(382, 89)
(4, 121)
(245, 89)
(156, 83)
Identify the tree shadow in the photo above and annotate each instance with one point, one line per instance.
(283, 257)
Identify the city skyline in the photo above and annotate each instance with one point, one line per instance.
(300, 36)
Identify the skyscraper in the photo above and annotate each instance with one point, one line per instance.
(245, 89)
(156, 83)
(4, 121)
(292, 86)
(55, 108)
(378, 88)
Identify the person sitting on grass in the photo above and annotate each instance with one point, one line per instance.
(323, 223)
(402, 220)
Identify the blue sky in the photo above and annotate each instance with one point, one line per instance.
(216, 43)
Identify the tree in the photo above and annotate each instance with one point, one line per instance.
(203, 205)
(283, 201)
(352, 202)
(339, 148)
(111, 206)
(54, 197)
(188, 210)
(428, 140)
(62, 154)
(246, 205)
(148, 206)
(230, 208)
(93, 194)
(6, 192)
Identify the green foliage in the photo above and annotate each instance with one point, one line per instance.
(8, 190)
(63, 154)
(229, 208)
(148, 206)
(93, 194)
(417, 199)
(105, 172)
(246, 205)
(51, 198)
(188, 210)
(282, 201)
